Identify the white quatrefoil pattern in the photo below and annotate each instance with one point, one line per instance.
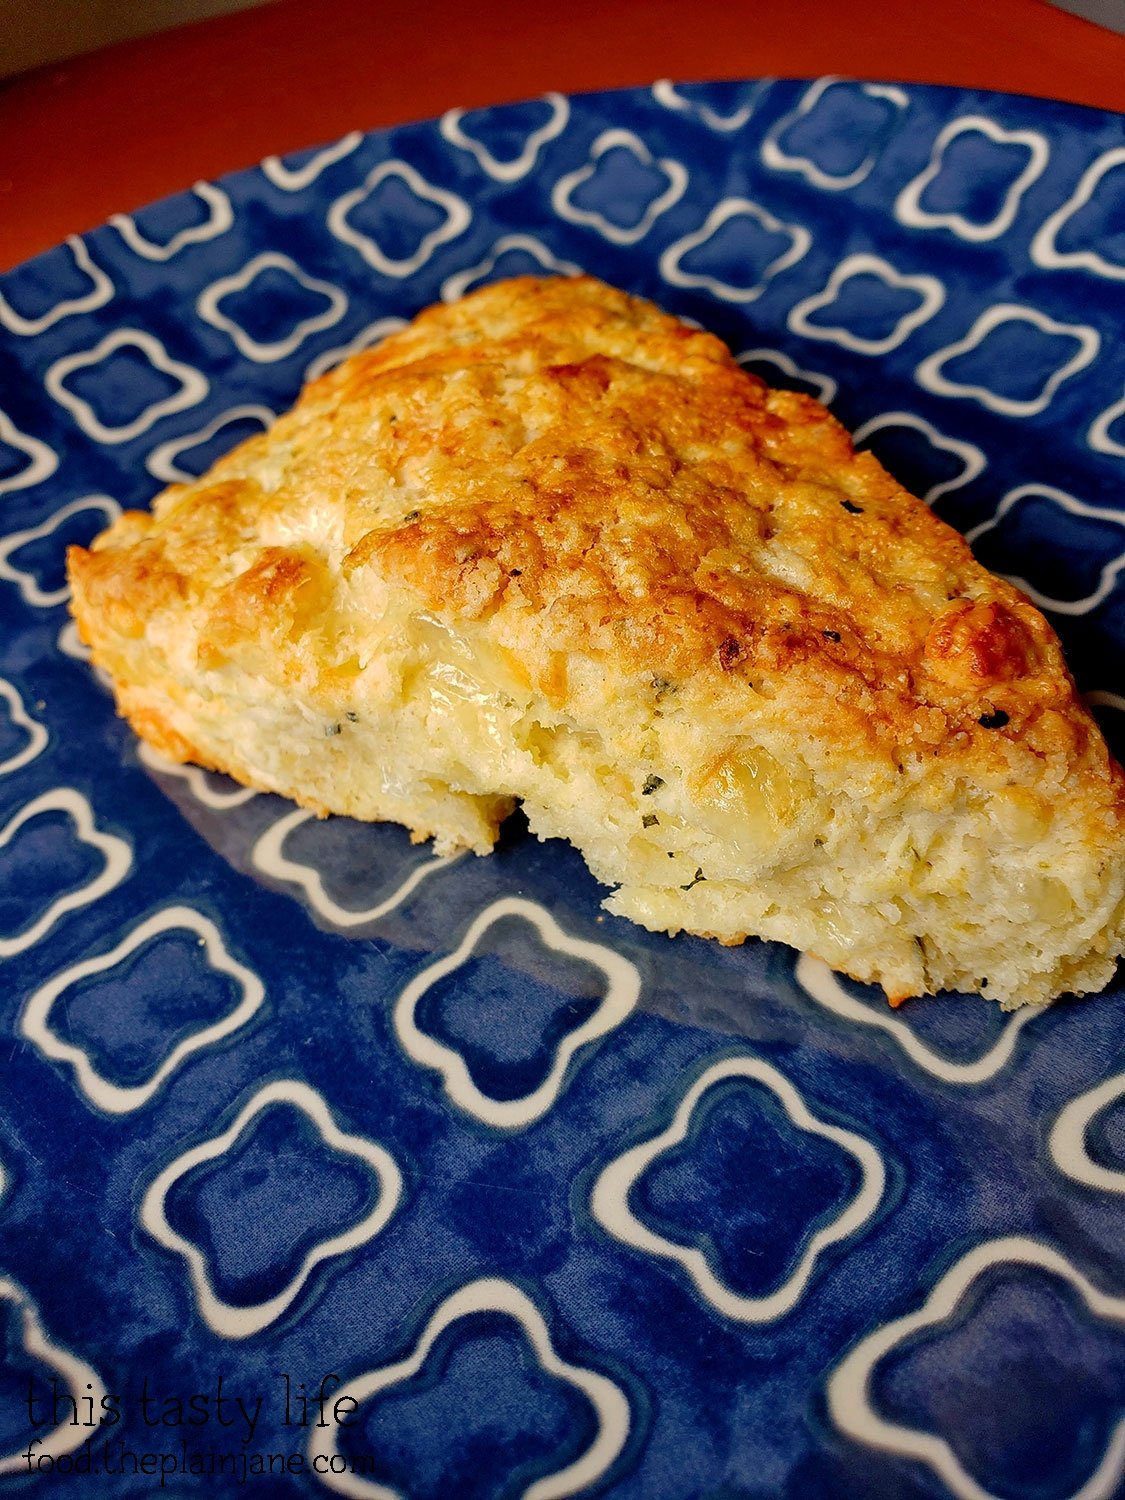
(219, 218)
(242, 1320)
(620, 990)
(529, 1201)
(43, 547)
(38, 460)
(30, 735)
(333, 305)
(610, 1201)
(964, 135)
(492, 1295)
(77, 1378)
(119, 1098)
(850, 1397)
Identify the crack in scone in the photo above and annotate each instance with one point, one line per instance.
(550, 545)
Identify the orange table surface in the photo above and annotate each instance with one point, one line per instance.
(109, 132)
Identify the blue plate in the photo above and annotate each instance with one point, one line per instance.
(326, 1160)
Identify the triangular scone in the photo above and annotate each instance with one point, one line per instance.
(550, 544)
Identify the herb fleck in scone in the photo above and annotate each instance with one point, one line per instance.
(550, 545)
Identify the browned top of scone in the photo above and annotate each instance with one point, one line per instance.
(581, 476)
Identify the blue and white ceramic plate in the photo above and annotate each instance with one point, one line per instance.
(326, 1165)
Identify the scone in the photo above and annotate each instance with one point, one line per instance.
(550, 545)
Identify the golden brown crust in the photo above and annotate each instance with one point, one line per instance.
(599, 493)
(674, 514)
